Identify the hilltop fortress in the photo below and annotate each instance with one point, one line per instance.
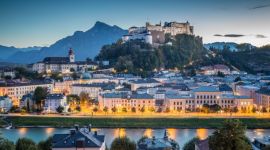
(155, 34)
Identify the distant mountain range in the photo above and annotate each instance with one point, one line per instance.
(230, 45)
(85, 44)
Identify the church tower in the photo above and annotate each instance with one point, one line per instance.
(71, 55)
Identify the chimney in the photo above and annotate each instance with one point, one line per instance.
(72, 131)
(89, 127)
(76, 127)
(95, 133)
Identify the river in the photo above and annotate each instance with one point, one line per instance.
(180, 135)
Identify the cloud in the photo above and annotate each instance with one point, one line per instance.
(218, 35)
(233, 35)
(260, 6)
(260, 36)
(229, 35)
(240, 35)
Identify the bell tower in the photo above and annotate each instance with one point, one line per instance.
(71, 55)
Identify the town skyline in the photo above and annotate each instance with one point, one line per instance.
(41, 23)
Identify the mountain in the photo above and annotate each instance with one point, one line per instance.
(7, 52)
(230, 45)
(85, 44)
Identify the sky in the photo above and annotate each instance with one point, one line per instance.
(26, 23)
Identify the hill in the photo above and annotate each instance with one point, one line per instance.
(85, 44)
(140, 58)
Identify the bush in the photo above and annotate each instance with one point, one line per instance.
(6, 144)
(25, 144)
(60, 109)
(45, 145)
(123, 143)
(190, 145)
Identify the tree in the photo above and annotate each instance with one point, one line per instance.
(142, 109)
(151, 109)
(235, 109)
(40, 94)
(133, 109)
(105, 109)
(78, 108)
(230, 137)
(254, 110)
(264, 110)
(167, 110)
(60, 109)
(25, 144)
(123, 143)
(84, 98)
(190, 145)
(114, 109)
(95, 109)
(6, 144)
(205, 108)
(237, 79)
(45, 145)
(220, 74)
(215, 108)
(124, 109)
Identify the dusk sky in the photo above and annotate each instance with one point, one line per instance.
(26, 23)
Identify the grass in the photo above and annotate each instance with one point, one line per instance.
(135, 122)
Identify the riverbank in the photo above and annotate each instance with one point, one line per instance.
(25, 121)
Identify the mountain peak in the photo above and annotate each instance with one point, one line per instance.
(101, 24)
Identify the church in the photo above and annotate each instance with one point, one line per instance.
(63, 65)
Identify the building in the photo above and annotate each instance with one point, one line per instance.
(93, 89)
(263, 98)
(154, 143)
(155, 34)
(63, 65)
(53, 101)
(79, 139)
(213, 70)
(127, 101)
(143, 83)
(7, 72)
(5, 103)
(16, 90)
(246, 90)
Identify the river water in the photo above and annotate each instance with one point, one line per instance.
(180, 135)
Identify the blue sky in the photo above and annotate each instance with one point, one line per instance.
(40, 23)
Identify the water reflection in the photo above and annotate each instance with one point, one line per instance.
(49, 131)
(202, 133)
(22, 131)
(172, 133)
(148, 132)
(180, 135)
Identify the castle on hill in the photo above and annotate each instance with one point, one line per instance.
(155, 34)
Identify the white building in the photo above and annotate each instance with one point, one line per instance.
(93, 89)
(53, 101)
(143, 83)
(64, 65)
(16, 90)
(5, 103)
(213, 70)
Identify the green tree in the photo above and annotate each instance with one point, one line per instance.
(6, 144)
(60, 109)
(220, 74)
(105, 109)
(123, 143)
(190, 145)
(95, 109)
(25, 144)
(142, 110)
(40, 94)
(124, 109)
(133, 109)
(78, 108)
(230, 137)
(45, 145)
(114, 109)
